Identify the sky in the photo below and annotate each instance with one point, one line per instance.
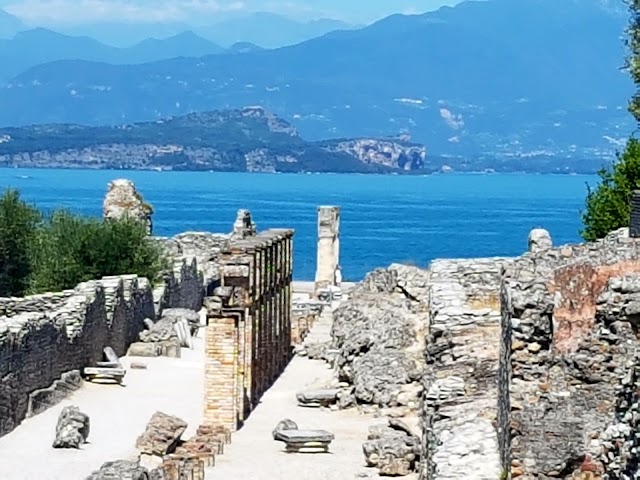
(70, 12)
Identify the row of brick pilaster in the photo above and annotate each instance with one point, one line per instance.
(249, 345)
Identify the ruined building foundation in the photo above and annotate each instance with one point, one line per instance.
(248, 334)
(328, 246)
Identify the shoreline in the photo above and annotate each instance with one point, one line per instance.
(413, 173)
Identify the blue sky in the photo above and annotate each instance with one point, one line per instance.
(90, 11)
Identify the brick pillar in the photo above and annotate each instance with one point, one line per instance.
(634, 224)
(221, 364)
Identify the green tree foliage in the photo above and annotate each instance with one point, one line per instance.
(39, 254)
(18, 228)
(72, 249)
(607, 207)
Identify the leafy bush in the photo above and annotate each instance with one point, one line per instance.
(72, 249)
(39, 254)
(608, 206)
(18, 228)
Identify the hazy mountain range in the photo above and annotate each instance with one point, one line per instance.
(264, 29)
(529, 78)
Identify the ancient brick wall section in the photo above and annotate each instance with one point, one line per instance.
(568, 371)
(460, 395)
(248, 334)
(44, 338)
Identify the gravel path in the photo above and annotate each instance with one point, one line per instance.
(118, 415)
(175, 386)
(254, 455)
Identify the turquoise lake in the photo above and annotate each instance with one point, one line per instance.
(384, 219)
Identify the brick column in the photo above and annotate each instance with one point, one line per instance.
(221, 363)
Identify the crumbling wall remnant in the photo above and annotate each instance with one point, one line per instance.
(569, 396)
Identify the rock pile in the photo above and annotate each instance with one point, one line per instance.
(124, 201)
(379, 338)
(72, 429)
(166, 336)
(393, 449)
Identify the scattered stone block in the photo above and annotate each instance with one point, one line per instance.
(120, 470)
(317, 398)
(305, 441)
(162, 435)
(286, 424)
(138, 366)
(223, 432)
(141, 349)
(170, 348)
(72, 429)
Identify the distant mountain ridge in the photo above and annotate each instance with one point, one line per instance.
(267, 30)
(492, 79)
(10, 25)
(32, 47)
(248, 139)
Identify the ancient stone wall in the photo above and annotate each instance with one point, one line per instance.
(46, 340)
(248, 334)
(460, 394)
(569, 398)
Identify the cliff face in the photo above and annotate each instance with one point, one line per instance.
(389, 153)
(246, 140)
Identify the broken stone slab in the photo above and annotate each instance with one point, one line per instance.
(286, 424)
(162, 434)
(72, 429)
(305, 441)
(141, 349)
(317, 398)
(120, 470)
(117, 374)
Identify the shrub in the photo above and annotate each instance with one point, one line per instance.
(70, 249)
(18, 226)
(608, 206)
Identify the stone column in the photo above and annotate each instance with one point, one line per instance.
(328, 246)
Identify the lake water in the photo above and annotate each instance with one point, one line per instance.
(384, 219)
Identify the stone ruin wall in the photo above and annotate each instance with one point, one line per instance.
(532, 364)
(569, 384)
(46, 340)
(462, 351)
(248, 334)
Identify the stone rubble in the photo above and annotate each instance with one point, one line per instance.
(393, 449)
(72, 429)
(379, 336)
